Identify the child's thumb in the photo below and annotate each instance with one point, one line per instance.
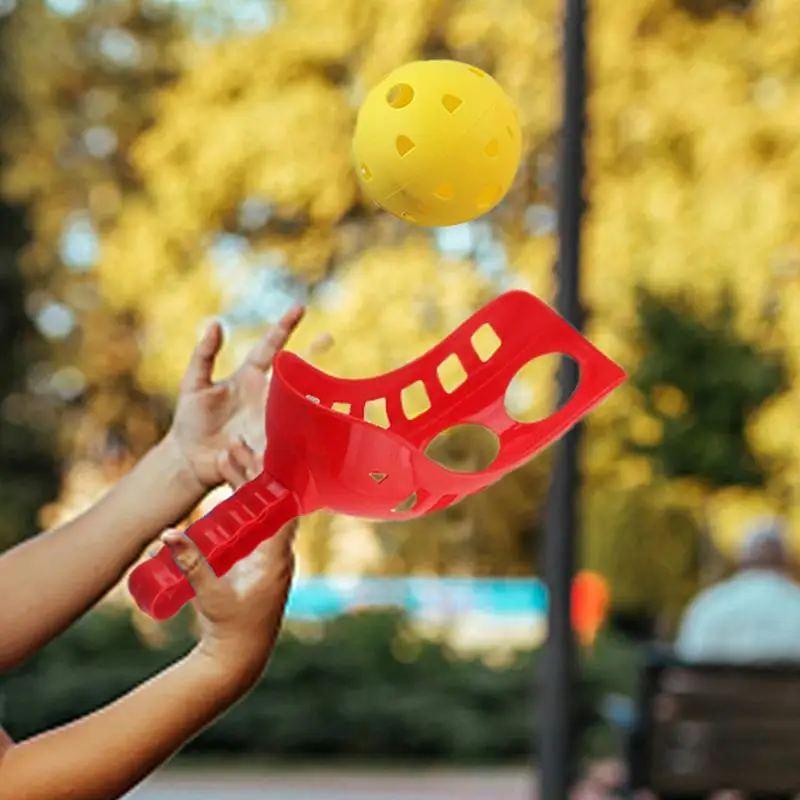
(189, 558)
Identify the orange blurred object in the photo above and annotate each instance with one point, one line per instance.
(590, 601)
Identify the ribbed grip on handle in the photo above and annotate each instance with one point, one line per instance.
(227, 534)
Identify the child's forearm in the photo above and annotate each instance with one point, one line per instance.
(104, 755)
(49, 581)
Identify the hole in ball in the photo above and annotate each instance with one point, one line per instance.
(405, 215)
(404, 145)
(400, 95)
(510, 131)
(479, 72)
(451, 103)
(492, 148)
(444, 191)
(366, 173)
(487, 197)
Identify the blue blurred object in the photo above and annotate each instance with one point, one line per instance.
(426, 598)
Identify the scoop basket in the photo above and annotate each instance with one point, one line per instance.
(323, 453)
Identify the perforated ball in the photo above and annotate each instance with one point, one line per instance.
(437, 143)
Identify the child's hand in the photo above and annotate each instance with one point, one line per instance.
(239, 464)
(239, 614)
(208, 415)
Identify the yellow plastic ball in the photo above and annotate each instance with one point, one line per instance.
(437, 143)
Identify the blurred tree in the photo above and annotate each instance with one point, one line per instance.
(29, 474)
(83, 80)
(694, 161)
(700, 384)
(264, 214)
(28, 457)
(650, 549)
(240, 195)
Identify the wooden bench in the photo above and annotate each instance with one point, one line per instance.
(703, 728)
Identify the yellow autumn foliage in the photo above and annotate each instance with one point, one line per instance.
(693, 171)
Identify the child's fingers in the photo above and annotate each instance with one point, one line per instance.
(239, 464)
(190, 560)
(201, 365)
(231, 472)
(246, 458)
(275, 339)
(320, 345)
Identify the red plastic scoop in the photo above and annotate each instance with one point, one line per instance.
(318, 457)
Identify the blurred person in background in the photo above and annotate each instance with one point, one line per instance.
(754, 616)
(51, 580)
(751, 618)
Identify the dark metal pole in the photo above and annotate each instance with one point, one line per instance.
(558, 663)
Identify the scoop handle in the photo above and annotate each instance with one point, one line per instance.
(227, 534)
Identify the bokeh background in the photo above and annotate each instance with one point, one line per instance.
(165, 162)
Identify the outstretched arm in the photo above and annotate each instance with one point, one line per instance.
(104, 755)
(51, 580)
